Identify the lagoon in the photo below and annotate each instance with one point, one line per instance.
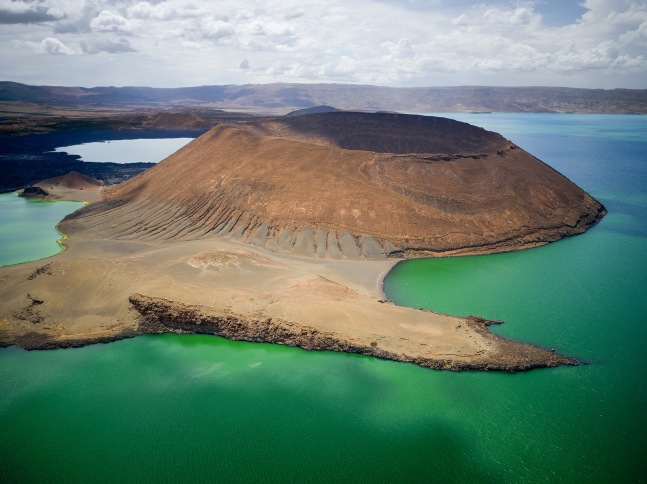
(200, 408)
(28, 227)
(126, 150)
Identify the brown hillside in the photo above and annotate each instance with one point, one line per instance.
(348, 185)
(73, 180)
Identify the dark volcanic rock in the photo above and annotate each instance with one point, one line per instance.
(25, 160)
(34, 192)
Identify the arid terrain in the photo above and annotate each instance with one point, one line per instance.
(348, 185)
(281, 98)
(281, 230)
(34, 118)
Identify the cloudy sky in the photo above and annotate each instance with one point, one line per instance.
(169, 43)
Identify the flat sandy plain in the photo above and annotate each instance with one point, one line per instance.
(100, 290)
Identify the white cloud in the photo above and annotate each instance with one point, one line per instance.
(76, 16)
(365, 41)
(108, 21)
(111, 46)
(20, 12)
(637, 37)
(168, 10)
(49, 45)
(215, 29)
(399, 50)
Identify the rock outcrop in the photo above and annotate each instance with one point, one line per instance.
(34, 192)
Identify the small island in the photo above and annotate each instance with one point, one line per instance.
(281, 230)
(71, 186)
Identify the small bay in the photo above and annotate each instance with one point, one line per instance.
(28, 227)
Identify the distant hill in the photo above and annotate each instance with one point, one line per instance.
(290, 97)
(313, 110)
(74, 180)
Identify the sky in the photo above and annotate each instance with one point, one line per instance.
(398, 43)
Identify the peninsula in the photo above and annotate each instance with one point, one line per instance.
(281, 229)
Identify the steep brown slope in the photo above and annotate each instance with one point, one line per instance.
(348, 185)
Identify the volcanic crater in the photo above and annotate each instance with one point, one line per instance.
(348, 185)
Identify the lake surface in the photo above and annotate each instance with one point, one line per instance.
(200, 408)
(28, 228)
(127, 150)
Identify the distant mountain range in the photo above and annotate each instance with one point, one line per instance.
(287, 97)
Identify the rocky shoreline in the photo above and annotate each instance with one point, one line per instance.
(157, 316)
(160, 316)
(84, 296)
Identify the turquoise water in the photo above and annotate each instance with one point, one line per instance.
(584, 296)
(200, 408)
(28, 227)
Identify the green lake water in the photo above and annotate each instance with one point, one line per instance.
(28, 227)
(199, 408)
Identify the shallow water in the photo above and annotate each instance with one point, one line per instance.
(200, 408)
(28, 227)
(127, 150)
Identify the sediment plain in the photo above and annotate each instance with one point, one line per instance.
(281, 230)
